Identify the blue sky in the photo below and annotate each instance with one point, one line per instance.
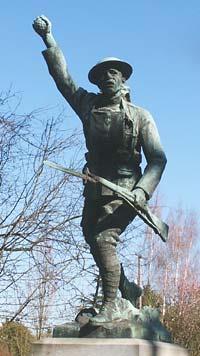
(161, 39)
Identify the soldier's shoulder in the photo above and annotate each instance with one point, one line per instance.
(145, 115)
(141, 111)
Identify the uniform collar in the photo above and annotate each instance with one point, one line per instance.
(105, 101)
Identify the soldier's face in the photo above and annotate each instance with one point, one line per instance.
(110, 81)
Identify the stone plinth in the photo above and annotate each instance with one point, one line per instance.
(104, 347)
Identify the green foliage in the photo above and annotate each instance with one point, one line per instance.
(151, 298)
(17, 337)
(183, 321)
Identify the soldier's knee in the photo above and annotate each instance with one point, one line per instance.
(107, 237)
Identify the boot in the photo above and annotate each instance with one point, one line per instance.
(129, 290)
(110, 274)
(108, 313)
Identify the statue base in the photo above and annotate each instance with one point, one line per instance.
(134, 323)
(107, 347)
(121, 329)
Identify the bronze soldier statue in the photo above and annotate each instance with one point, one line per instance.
(116, 132)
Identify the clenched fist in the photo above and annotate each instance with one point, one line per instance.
(42, 26)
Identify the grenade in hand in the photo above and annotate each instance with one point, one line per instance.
(42, 25)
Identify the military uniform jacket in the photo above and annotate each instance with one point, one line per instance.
(140, 123)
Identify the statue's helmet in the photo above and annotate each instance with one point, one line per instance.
(109, 62)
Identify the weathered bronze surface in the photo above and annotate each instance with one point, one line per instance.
(116, 133)
(143, 324)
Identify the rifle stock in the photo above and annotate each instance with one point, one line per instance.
(159, 227)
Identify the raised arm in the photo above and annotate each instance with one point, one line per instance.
(42, 25)
(55, 61)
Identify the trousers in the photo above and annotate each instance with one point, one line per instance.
(103, 221)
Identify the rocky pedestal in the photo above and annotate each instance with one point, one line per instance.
(133, 323)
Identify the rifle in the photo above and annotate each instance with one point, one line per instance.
(144, 212)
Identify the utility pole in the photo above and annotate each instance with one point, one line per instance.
(140, 278)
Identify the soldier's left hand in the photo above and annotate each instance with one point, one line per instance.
(139, 197)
